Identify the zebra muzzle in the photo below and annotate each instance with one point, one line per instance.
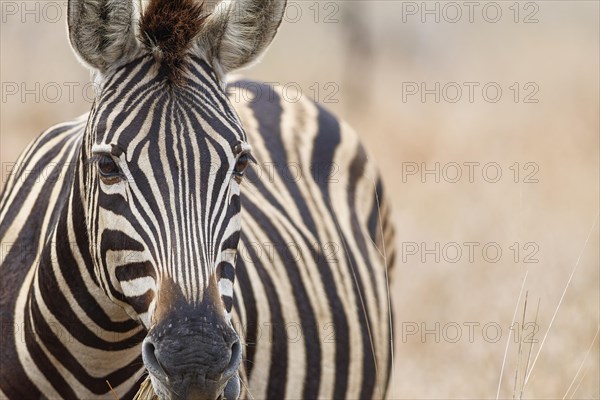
(192, 363)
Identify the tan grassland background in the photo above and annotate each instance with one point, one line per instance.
(453, 316)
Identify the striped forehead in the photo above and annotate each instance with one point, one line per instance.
(138, 104)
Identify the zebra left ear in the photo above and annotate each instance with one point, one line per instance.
(101, 31)
(239, 31)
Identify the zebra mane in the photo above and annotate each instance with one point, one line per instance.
(168, 29)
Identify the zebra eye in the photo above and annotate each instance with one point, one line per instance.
(109, 170)
(241, 164)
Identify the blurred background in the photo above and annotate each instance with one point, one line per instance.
(484, 119)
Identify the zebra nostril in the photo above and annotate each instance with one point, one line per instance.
(150, 360)
(234, 361)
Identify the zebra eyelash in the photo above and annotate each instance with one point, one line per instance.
(94, 159)
(250, 157)
(110, 177)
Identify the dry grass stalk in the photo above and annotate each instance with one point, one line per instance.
(146, 391)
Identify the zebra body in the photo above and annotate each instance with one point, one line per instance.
(85, 307)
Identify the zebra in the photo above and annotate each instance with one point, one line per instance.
(145, 239)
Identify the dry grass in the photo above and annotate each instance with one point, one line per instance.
(146, 391)
(559, 213)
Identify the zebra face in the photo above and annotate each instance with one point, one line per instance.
(165, 154)
(165, 168)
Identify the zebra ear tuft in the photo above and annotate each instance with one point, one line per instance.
(239, 31)
(168, 28)
(101, 31)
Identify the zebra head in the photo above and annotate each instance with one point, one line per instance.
(163, 156)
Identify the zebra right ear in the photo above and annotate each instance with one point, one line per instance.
(101, 31)
(237, 32)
